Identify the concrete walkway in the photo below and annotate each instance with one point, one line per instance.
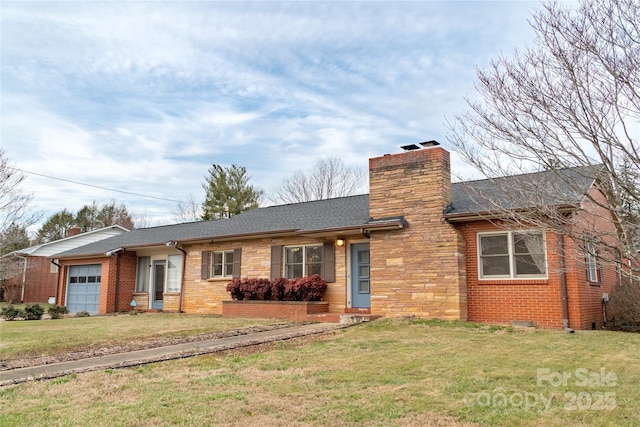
(177, 351)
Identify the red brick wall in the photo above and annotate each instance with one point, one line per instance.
(505, 301)
(585, 299)
(540, 301)
(126, 282)
(109, 272)
(293, 310)
(40, 283)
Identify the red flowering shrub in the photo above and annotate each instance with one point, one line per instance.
(301, 289)
(291, 290)
(311, 288)
(233, 287)
(277, 288)
(249, 289)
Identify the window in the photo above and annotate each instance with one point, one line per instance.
(222, 264)
(592, 262)
(301, 261)
(142, 281)
(511, 254)
(174, 271)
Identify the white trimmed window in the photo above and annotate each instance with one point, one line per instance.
(301, 261)
(222, 264)
(592, 262)
(512, 255)
(174, 271)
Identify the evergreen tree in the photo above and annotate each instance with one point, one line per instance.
(56, 226)
(228, 193)
(88, 218)
(14, 238)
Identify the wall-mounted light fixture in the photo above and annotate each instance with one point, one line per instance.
(171, 243)
(340, 241)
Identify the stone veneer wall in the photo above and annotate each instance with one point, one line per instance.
(418, 270)
(206, 295)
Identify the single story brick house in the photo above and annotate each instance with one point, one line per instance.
(415, 245)
(36, 268)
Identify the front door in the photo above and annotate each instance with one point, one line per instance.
(360, 276)
(159, 275)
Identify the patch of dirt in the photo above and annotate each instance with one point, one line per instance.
(130, 346)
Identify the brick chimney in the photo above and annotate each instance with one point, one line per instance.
(73, 231)
(418, 270)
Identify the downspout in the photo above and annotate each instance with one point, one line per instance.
(110, 254)
(115, 303)
(53, 261)
(563, 284)
(174, 244)
(24, 275)
(184, 267)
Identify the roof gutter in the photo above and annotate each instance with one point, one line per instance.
(384, 224)
(189, 241)
(476, 216)
(331, 231)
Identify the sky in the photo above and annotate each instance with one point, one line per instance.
(142, 97)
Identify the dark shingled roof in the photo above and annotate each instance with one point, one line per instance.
(339, 213)
(565, 187)
(350, 212)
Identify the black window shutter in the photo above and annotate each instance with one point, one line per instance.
(329, 262)
(237, 255)
(276, 261)
(204, 266)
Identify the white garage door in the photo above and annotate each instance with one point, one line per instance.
(83, 288)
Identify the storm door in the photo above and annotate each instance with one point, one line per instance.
(159, 278)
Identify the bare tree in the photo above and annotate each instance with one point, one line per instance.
(14, 202)
(143, 220)
(15, 214)
(188, 211)
(327, 179)
(570, 100)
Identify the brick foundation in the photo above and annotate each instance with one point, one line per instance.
(293, 310)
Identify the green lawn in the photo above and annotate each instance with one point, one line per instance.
(22, 338)
(388, 372)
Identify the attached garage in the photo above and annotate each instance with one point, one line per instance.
(83, 288)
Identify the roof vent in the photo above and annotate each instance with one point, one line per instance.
(410, 147)
(431, 143)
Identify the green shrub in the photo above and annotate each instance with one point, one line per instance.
(57, 311)
(33, 312)
(10, 312)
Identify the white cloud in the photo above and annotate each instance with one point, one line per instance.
(144, 96)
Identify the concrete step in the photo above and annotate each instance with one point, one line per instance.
(342, 318)
(350, 318)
